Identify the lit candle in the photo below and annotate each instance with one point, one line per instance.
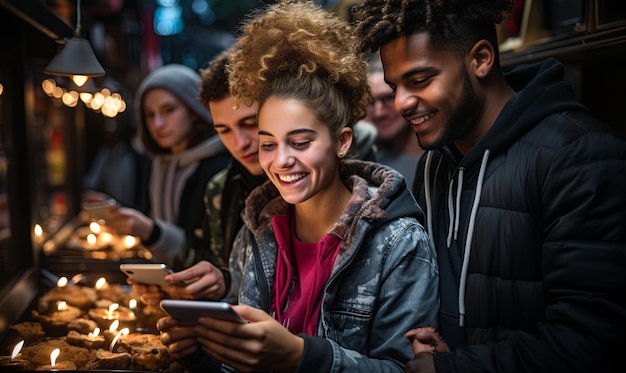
(38, 233)
(62, 282)
(94, 334)
(17, 349)
(14, 362)
(91, 239)
(95, 227)
(106, 237)
(110, 333)
(130, 241)
(53, 357)
(61, 365)
(132, 304)
(100, 283)
(114, 325)
(110, 313)
(62, 306)
(124, 331)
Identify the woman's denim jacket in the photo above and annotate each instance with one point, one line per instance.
(384, 281)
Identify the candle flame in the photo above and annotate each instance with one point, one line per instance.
(95, 227)
(130, 241)
(62, 282)
(38, 230)
(17, 349)
(113, 307)
(62, 305)
(106, 237)
(53, 357)
(91, 239)
(114, 325)
(132, 304)
(124, 331)
(94, 334)
(100, 283)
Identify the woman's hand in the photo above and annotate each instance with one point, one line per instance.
(202, 280)
(262, 344)
(181, 341)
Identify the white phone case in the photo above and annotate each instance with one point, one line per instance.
(147, 274)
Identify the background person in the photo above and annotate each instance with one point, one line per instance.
(177, 132)
(396, 143)
(525, 196)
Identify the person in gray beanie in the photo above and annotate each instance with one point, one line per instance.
(177, 133)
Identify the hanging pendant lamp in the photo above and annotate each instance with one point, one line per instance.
(76, 59)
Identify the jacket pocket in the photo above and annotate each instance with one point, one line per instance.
(349, 326)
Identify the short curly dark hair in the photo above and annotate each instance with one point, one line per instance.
(454, 24)
(297, 49)
(214, 79)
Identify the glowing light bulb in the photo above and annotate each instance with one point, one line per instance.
(79, 80)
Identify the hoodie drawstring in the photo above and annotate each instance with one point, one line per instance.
(470, 234)
(429, 215)
(458, 203)
(454, 209)
(454, 212)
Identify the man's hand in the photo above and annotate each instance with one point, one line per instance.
(202, 280)
(426, 342)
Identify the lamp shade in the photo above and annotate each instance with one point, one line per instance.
(76, 58)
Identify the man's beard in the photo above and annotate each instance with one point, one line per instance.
(462, 120)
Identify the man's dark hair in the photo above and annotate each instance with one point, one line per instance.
(214, 79)
(452, 24)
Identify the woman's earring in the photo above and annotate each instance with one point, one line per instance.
(340, 154)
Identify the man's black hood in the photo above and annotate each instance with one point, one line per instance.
(541, 91)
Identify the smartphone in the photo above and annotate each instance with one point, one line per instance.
(97, 208)
(187, 312)
(148, 274)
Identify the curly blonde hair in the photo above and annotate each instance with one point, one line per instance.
(295, 49)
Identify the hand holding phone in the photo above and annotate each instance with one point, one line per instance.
(97, 209)
(148, 274)
(187, 312)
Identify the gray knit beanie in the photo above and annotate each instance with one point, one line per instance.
(178, 79)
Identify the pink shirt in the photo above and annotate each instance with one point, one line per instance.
(302, 270)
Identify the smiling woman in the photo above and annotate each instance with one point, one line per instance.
(341, 265)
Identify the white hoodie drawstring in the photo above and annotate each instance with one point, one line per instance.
(454, 208)
(429, 215)
(450, 213)
(470, 234)
(458, 202)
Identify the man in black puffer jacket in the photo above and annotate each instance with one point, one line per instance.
(524, 191)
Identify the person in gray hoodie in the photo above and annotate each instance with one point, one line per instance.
(177, 132)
